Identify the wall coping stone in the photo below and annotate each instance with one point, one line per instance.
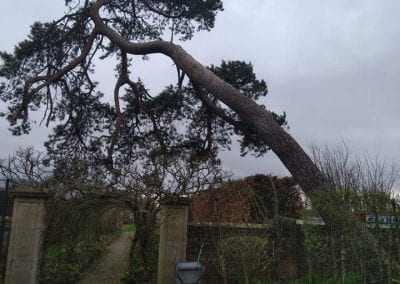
(230, 225)
(30, 194)
(176, 201)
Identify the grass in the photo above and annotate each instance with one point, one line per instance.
(127, 228)
(53, 250)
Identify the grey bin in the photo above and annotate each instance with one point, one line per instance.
(189, 273)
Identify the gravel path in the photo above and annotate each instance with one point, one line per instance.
(111, 266)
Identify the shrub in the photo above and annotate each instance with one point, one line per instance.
(247, 258)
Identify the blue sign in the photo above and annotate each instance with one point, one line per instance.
(382, 219)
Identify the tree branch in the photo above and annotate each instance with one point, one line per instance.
(122, 79)
(48, 79)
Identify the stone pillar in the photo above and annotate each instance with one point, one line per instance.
(173, 233)
(26, 238)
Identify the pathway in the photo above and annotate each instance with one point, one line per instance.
(111, 266)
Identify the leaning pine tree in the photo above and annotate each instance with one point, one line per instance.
(54, 69)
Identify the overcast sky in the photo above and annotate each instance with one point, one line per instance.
(333, 66)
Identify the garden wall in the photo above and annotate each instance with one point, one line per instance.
(284, 245)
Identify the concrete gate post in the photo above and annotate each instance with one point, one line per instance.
(26, 237)
(173, 233)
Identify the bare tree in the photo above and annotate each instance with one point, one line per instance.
(27, 166)
(362, 186)
(367, 174)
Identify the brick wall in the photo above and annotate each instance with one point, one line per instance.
(286, 238)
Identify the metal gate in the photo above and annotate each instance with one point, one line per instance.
(5, 223)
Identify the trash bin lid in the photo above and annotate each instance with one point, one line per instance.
(188, 266)
(189, 273)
